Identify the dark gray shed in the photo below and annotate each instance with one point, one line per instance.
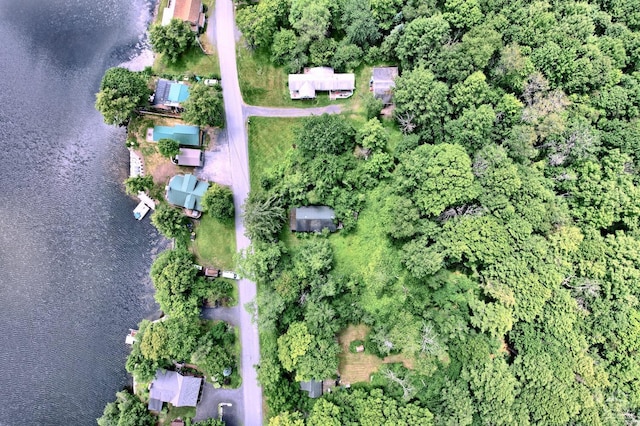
(312, 219)
(313, 387)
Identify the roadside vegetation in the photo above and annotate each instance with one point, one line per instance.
(490, 233)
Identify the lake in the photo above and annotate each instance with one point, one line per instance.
(74, 263)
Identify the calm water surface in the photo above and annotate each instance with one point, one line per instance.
(73, 261)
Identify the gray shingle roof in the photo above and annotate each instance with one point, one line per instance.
(383, 82)
(179, 390)
(312, 219)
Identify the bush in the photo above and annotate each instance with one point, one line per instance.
(354, 344)
(372, 107)
(169, 221)
(168, 148)
(136, 184)
(218, 202)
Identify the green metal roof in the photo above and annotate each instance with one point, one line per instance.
(186, 191)
(186, 135)
(178, 92)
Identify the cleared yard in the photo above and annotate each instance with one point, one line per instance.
(269, 141)
(215, 242)
(264, 84)
(359, 367)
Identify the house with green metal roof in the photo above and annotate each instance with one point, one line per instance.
(169, 93)
(186, 191)
(188, 136)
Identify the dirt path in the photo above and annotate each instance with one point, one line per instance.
(258, 111)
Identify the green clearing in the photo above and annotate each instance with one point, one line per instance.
(264, 84)
(269, 141)
(193, 62)
(171, 413)
(215, 243)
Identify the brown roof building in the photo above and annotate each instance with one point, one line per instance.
(186, 10)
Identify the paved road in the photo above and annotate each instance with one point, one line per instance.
(258, 111)
(239, 160)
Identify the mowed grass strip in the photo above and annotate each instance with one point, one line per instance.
(215, 243)
(269, 141)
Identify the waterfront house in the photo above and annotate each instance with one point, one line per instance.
(169, 94)
(383, 82)
(321, 79)
(312, 219)
(190, 11)
(172, 387)
(186, 191)
(190, 157)
(187, 136)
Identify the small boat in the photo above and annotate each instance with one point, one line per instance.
(131, 337)
(141, 210)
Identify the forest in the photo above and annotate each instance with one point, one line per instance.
(496, 214)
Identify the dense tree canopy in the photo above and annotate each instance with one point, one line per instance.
(204, 106)
(121, 93)
(218, 201)
(127, 410)
(172, 40)
(505, 261)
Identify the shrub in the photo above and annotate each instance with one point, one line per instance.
(218, 202)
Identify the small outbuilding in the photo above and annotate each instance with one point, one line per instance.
(172, 387)
(383, 82)
(321, 79)
(169, 94)
(187, 136)
(190, 157)
(313, 387)
(312, 219)
(186, 191)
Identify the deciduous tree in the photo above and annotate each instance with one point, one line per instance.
(204, 106)
(172, 40)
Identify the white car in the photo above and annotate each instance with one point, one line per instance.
(230, 274)
(210, 82)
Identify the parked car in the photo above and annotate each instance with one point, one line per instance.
(211, 272)
(230, 274)
(210, 82)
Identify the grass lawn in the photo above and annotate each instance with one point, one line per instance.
(173, 413)
(194, 62)
(264, 84)
(269, 141)
(215, 243)
(359, 367)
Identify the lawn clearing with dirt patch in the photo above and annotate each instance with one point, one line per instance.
(360, 366)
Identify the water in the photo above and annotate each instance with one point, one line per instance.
(73, 262)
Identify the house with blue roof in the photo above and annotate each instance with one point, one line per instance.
(186, 191)
(170, 94)
(188, 136)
